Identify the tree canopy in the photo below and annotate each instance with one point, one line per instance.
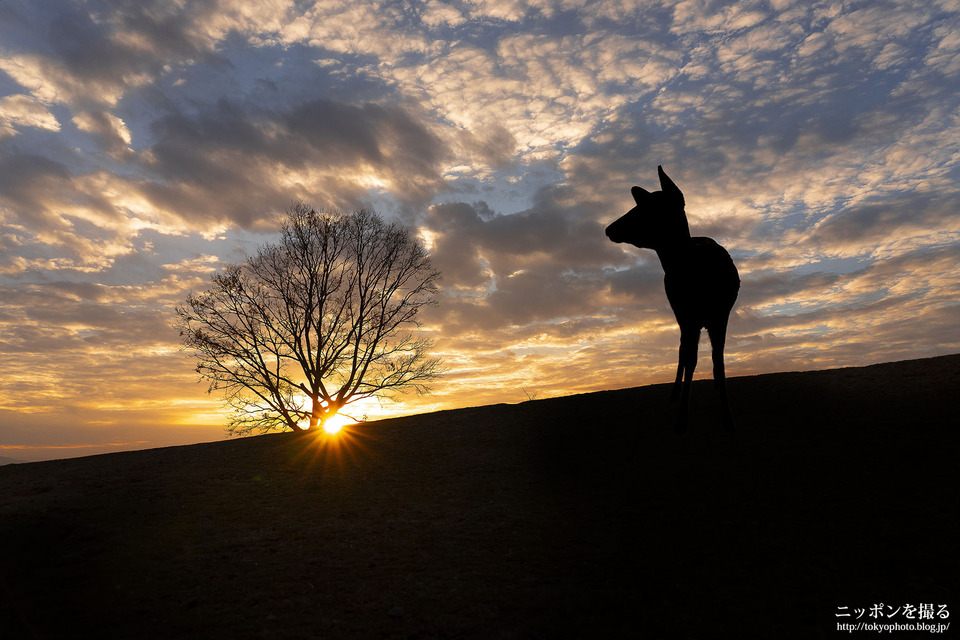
(325, 317)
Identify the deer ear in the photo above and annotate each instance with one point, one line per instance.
(639, 193)
(667, 185)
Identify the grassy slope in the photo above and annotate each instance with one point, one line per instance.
(583, 516)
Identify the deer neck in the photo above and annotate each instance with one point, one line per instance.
(675, 257)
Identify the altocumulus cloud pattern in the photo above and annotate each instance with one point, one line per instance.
(143, 145)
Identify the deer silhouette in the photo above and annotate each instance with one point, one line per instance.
(700, 279)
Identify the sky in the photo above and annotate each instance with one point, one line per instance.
(144, 145)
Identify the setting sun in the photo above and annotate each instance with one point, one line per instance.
(336, 423)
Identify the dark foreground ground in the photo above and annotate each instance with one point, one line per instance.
(577, 517)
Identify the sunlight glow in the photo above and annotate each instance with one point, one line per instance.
(336, 423)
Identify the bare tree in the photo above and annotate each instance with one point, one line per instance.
(321, 319)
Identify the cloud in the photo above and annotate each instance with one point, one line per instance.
(537, 265)
(111, 132)
(436, 13)
(92, 55)
(321, 151)
(57, 219)
(875, 229)
(19, 111)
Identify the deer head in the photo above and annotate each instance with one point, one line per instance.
(658, 220)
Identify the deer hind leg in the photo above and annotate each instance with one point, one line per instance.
(718, 336)
(689, 339)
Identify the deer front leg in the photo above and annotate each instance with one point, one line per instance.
(675, 392)
(689, 339)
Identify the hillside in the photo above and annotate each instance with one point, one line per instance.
(584, 516)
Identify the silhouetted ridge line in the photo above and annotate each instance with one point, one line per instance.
(573, 517)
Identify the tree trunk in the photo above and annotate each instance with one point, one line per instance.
(320, 414)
